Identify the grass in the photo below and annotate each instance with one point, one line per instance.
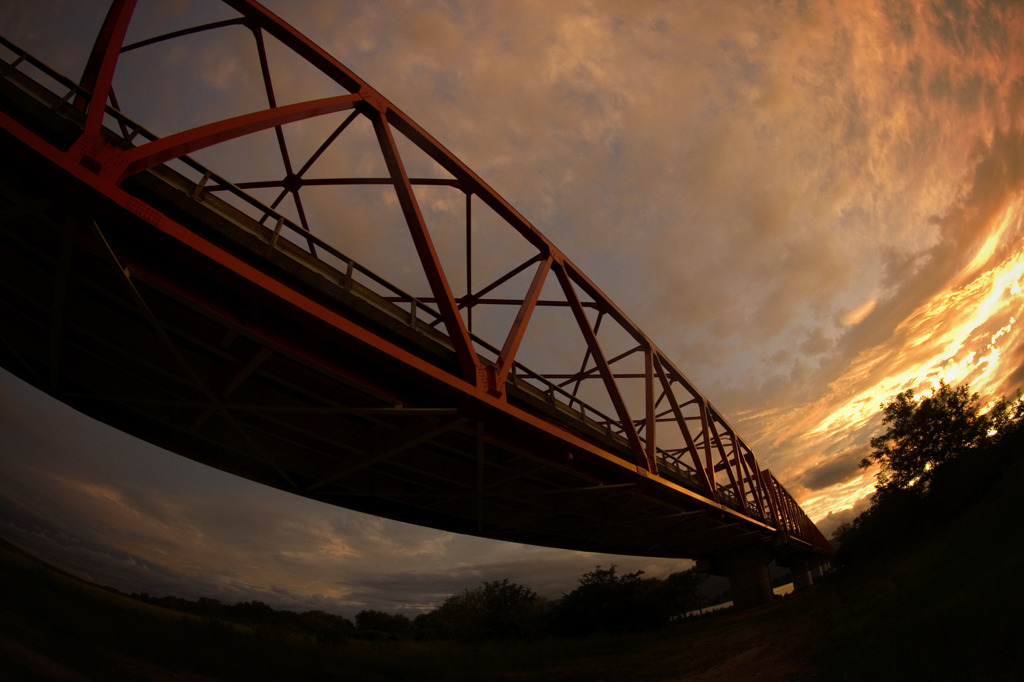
(947, 607)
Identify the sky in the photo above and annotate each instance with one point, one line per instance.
(808, 206)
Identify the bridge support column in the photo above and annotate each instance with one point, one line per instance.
(747, 571)
(800, 569)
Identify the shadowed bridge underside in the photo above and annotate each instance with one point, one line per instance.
(145, 290)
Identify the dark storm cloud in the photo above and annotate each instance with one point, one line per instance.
(838, 468)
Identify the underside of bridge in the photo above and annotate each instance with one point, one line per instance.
(145, 301)
(140, 332)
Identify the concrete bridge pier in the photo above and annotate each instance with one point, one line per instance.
(800, 567)
(747, 571)
(807, 569)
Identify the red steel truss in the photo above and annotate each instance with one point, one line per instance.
(613, 397)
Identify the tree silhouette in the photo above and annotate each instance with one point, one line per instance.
(372, 624)
(609, 602)
(498, 609)
(924, 433)
(938, 455)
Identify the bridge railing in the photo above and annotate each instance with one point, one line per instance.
(535, 308)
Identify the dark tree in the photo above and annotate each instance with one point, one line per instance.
(1007, 417)
(328, 628)
(924, 433)
(496, 610)
(680, 592)
(607, 602)
(372, 624)
(938, 456)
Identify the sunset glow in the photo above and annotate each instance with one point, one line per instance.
(959, 336)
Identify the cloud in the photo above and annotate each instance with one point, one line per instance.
(833, 470)
(857, 315)
(807, 206)
(829, 524)
(943, 320)
(727, 167)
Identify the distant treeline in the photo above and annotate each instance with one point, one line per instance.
(604, 601)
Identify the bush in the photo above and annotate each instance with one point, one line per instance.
(609, 603)
(379, 625)
(496, 610)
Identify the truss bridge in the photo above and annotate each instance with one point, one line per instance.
(287, 278)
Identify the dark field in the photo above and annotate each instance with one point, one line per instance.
(946, 608)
